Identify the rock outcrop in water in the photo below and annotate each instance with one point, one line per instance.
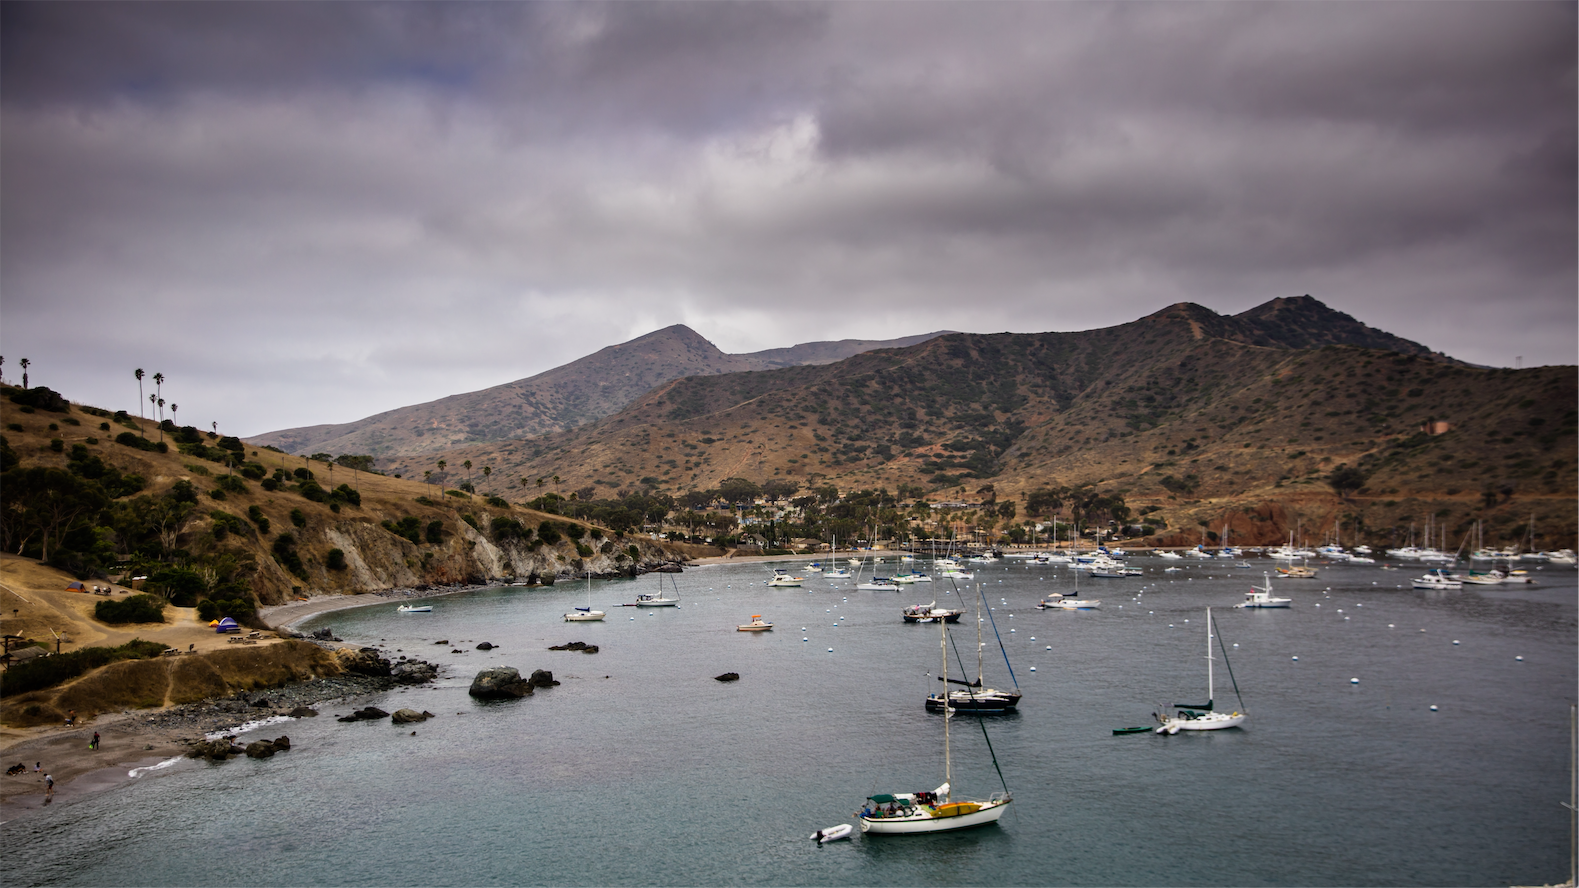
(499, 683)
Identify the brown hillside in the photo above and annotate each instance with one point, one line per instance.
(219, 539)
(1193, 415)
(577, 393)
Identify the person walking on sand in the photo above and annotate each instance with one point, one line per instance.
(49, 787)
(95, 742)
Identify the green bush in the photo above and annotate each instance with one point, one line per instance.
(240, 608)
(231, 484)
(136, 609)
(311, 492)
(285, 553)
(575, 531)
(47, 672)
(548, 532)
(409, 527)
(297, 518)
(41, 398)
(435, 532)
(57, 445)
(179, 584)
(335, 560)
(498, 502)
(256, 516)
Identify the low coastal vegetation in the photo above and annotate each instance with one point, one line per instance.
(44, 672)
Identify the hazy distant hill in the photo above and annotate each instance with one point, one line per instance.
(577, 393)
(1185, 410)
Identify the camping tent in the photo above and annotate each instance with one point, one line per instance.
(227, 625)
(75, 586)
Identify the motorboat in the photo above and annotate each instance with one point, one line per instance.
(814, 567)
(878, 584)
(782, 578)
(1170, 555)
(930, 613)
(1299, 572)
(1076, 603)
(415, 609)
(757, 624)
(1203, 717)
(909, 577)
(1261, 596)
(1436, 579)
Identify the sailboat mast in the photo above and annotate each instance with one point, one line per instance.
(1211, 692)
(978, 633)
(948, 713)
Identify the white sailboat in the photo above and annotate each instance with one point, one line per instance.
(935, 811)
(585, 614)
(1203, 717)
(834, 571)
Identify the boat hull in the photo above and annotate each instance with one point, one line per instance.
(1211, 721)
(931, 820)
(983, 703)
(578, 617)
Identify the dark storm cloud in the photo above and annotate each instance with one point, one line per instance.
(344, 207)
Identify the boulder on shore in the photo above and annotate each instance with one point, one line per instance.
(302, 712)
(486, 646)
(414, 672)
(408, 716)
(215, 750)
(500, 683)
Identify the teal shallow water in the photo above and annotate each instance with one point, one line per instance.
(640, 769)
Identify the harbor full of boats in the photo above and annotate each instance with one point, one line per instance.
(829, 712)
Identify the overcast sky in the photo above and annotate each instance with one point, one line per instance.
(312, 212)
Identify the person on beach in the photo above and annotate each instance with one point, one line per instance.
(49, 787)
(71, 717)
(94, 744)
(38, 767)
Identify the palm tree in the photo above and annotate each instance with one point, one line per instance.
(158, 390)
(427, 478)
(442, 464)
(486, 471)
(468, 465)
(173, 408)
(216, 428)
(139, 374)
(556, 485)
(25, 362)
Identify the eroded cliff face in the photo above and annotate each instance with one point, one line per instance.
(377, 559)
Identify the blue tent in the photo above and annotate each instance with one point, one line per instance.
(227, 625)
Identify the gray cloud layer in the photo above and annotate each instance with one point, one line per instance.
(310, 212)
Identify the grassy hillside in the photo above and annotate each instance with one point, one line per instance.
(1198, 420)
(102, 494)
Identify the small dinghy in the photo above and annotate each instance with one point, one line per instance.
(415, 609)
(1140, 730)
(831, 834)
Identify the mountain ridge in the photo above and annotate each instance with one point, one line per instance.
(563, 397)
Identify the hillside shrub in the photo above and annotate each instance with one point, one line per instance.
(508, 529)
(311, 492)
(226, 524)
(409, 527)
(435, 532)
(345, 494)
(231, 484)
(471, 519)
(548, 532)
(41, 398)
(575, 531)
(498, 502)
(335, 560)
(256, 516)
(46, 672)
(298, 518)
(57, 445)
(240, 608)
(135, 609)
(285, 553)
(303, 474)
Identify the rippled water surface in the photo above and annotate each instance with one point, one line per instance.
(640, 769)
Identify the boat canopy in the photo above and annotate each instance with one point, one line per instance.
(1204, 707)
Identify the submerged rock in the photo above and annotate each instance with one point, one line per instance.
(576, 646)
(727, 676)
(369, 713)
(409, 716)
(302, 712)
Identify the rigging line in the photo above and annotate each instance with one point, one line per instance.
(999, 637)
(1221, 647)
(962, 671)
(994, 755)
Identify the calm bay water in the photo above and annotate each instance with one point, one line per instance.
(640, 769)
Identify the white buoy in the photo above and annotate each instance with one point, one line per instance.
(805, 639)
(1352, 681)
(1296, 659)
(1389, 625)
(1033, 668)
(1455, 641)
(1049, 647)
(1520, 659)
(830, 650)
(1433, 708)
